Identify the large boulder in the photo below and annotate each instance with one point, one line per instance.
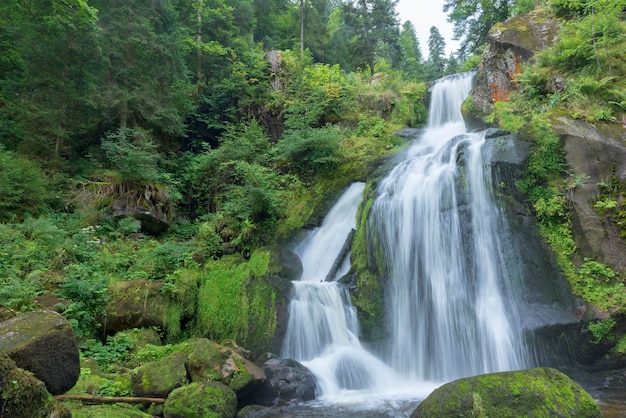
(133, 304)
(43, 343)
(22, 395)
(540, 392)
(200, 400)
(287, 381)
(509, 45)
(158, 379)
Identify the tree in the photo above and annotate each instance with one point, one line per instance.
(47, 87)
(410, 53)
(436, 50)
(472, 20)
(145, 78)
(374, 24)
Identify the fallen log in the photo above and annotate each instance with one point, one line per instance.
(108, 399)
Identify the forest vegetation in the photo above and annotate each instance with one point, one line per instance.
(169, 104)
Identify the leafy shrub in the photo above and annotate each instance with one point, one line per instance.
(86, 290)
(308, 152)
(116, 350)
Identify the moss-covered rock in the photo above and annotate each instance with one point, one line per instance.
(367, 275)
(135, 303)
(201, 400)
(159, 378)
(509, 45)
(239, 301)
(109, 411)
(540, 392)
(139, 337)
(22, 395)
(209, 361)
(43, 343)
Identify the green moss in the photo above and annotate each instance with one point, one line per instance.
(109, 411)
(21, 394)
(235, 302)
(207, 400)
(205, 361)
(159, 378)
(367, 262)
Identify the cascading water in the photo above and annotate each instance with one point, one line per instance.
(450, 310)
(449, 307)
(322, 331)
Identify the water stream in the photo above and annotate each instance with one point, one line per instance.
(450, 311)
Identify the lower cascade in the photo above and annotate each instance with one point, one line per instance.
(450, 307)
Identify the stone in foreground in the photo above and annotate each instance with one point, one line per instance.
(539, 392)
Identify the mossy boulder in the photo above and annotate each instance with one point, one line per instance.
(135, 303)
(159, 378)
(509, 45)
(22, 395)
(109, 411)
(539, 392)
(201, 400)
(43, 343)
(210, 361)
(140, 337)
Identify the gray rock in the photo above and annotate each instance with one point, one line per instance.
(287, 381)
(43, 343)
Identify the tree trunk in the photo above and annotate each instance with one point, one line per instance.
(301, 28)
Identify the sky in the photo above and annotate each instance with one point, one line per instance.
(424, 14)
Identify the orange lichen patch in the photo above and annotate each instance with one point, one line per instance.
(498, 94)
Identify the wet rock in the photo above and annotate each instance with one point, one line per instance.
(43, 343)
(209, 399)
(287, 381)
(540, 392)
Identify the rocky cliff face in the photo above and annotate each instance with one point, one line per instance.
(510, 44)
(594, 154)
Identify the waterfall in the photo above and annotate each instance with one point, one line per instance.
(322, 331)
(449, 305)
(450, 310)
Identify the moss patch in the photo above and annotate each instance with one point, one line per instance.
(236, 302)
